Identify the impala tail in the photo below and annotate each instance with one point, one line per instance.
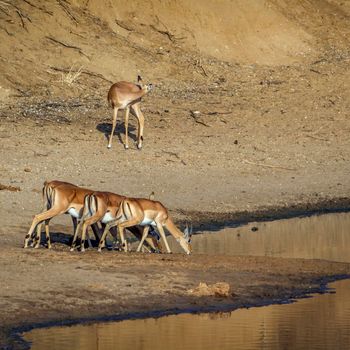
(90, 206)
(48, 196)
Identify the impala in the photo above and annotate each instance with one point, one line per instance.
(65, 198)
(123, 95)
(147, 212)
(59, 198)
(102, 207)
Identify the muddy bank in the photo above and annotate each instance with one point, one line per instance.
(216, 221)
(54, 287)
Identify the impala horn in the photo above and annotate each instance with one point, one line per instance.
(188, 233)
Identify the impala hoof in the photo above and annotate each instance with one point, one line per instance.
(126, 146)
(139, 146)
(109, 146)
(99, 250)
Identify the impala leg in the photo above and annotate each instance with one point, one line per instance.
(126, 224)
(75, 224)
(47, 233)
(141, 122)
(115, 112)
(96, 231)
(102, 242)
(126, 124)
(76, 232)
(122, 238)
(88, 222)
(49, 214)
(162, 234)
(88, 238)
(114, 234)
(37, 237)
(144, 235)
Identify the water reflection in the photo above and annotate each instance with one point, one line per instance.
(317, 237)
(321, 322)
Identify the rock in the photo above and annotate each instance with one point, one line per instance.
(219, 289)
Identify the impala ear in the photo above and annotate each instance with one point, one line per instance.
(151, 196)
(139, 81)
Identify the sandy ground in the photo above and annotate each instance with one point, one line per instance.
(269, 140)
(241, 164)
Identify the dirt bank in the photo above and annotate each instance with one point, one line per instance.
(40, 286)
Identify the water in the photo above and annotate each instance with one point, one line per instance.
(320, 322)
(315, 237)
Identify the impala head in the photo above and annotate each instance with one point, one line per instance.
(147, 88)
(185, 242)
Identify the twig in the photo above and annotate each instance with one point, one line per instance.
(268, 165)
(166, 32)
(319, 61)
(215, 113)
(317, 138)
(121, 24)
(172, 154)
(67, 46)
(66, 10)
(38, 7)
(65, 70)
(7, 32)
(9, 188)
(21, 18)
(170, 36)
(195, 117)
(4, 5)
(97, 75)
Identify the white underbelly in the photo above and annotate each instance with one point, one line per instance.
(73, 212)
(107, 218)
(125, 104)
(147, 221)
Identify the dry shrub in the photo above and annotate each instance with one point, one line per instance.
(71, 77)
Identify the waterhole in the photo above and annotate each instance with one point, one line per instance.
(315, 237)
(319, 322)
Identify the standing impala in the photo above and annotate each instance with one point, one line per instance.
(59, 198)
(103, 207)
(146, 212)
(123, 95)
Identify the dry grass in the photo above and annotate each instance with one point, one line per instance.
(71, 77)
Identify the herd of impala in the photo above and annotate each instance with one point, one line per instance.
(140, 216)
